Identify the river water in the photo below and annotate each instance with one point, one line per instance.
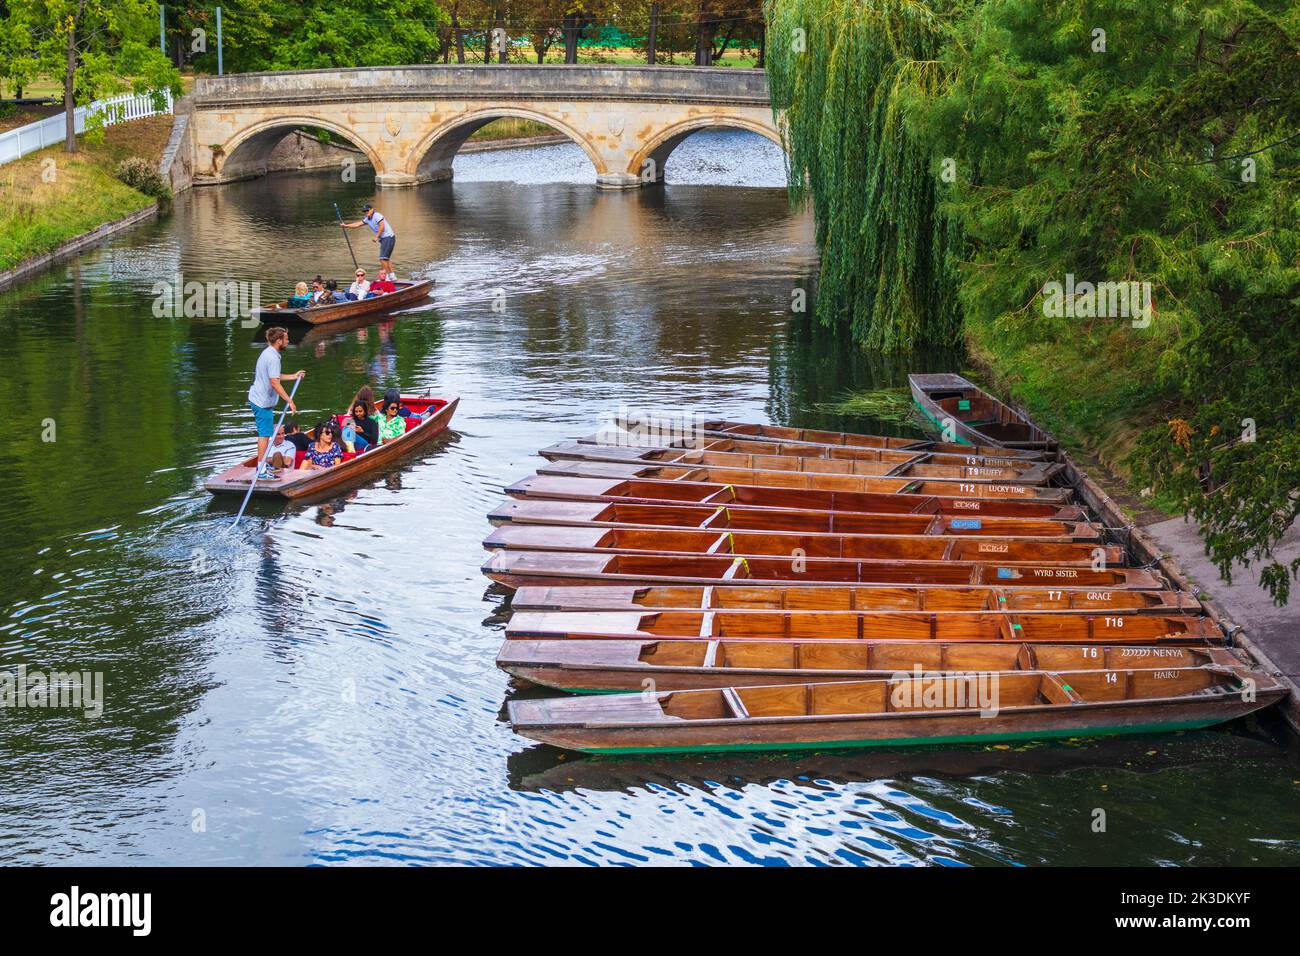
(318, 686)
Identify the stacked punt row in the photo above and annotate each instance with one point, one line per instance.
(757, 587)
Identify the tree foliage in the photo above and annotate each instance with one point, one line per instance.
(1110, 140)
(840, 72)
(96, 47)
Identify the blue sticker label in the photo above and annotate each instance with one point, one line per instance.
(963, 405)
(1006, 573)
(966, 524)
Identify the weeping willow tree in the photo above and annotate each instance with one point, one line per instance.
(841, 73)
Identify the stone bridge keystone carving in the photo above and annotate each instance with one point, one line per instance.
(409, 121)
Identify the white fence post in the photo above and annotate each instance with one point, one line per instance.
(119, 109)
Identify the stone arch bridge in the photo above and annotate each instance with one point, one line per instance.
(409, 121)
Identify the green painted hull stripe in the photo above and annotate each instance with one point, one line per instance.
(917, 741)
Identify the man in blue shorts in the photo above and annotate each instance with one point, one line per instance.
(380, 232)
(266, 391)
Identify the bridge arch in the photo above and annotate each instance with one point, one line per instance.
(432, 157)
(660, 146)
(247, 153)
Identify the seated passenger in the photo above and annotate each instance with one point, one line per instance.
(383, 284)
(360, 429)
(301, 298)
(391, 424)
(325, 451)
(359, 287)
(317, 289)
(282, 453)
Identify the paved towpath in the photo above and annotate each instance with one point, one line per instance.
(1275, 629)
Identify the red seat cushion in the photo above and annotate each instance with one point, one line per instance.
(412, 421)
(299, 458)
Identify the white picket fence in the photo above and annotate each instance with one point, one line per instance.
(118, 109)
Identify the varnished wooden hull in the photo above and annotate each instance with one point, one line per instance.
(919, 465)
(1026, 705)
(975, 417)
(307, 484)
(407, 295)
(890, 496)
(723, 428)
(816, 481)
(723, 518)
(803, 548)
(800, 600)
(617, 447)
(1104, 628)
(585, 666)
(515, 569)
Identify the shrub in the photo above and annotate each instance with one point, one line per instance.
(143, 176)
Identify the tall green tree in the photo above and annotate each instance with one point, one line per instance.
(840, 73)
(1159, 144)
(360, 33)
(96, 47)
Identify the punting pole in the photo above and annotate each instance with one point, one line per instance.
(258, 467)
(345, 236)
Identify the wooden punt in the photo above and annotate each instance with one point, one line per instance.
(653, 431)
(720, 474)
(516, 569)
(974, 416)
(908, 711)
(725, 518)
(797, 600)
(902, 465)
(597, 666)
(355, 471)
(887, 496)
(865, 626)
(407, 294)
(796, 547)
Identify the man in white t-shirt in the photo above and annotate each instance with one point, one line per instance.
(380, 232)
(266, 391)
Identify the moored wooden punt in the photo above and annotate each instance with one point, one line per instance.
(797, 600)
(797, 547)
(958, 487)
(652, 431)
(883, 496)
(725, 518)
(598, 445)
(598, 666)
(909, 711)
(515, 569)
(1032, 628)
(912, 466)
(355, 471)
(951, 402)
(407, 294)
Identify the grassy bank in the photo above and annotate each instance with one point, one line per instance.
(49, 197)
(511, 127)
(1094, 390)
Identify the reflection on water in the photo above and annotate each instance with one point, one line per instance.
(320, 687)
